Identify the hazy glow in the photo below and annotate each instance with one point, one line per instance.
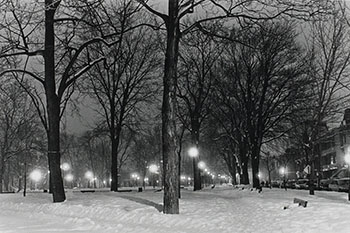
(201, 165)
(35, 175)
(69, 177)
(65, 166)
(153, 168)
(89, 175)
(193, 152)
(283, 170)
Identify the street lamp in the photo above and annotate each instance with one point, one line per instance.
(65, 167)
(154, 170)
(283, 172)
(201, 165)
(89, 176)
(69, 178)
(35, 175)
(135, 177)
(194, 154)
(347, 160)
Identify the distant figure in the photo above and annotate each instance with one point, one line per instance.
(259, 189)
(213, 186)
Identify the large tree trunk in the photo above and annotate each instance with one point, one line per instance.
(53, 105)
(255, 168)
(169, 143)
(243, 154)
(232, 168)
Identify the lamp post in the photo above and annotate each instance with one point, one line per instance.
(201, 165)
(35, 176)
(283, 172)
(347, 160)
(69, 178)
(65, 167)
(193, 153)
(154, 170)
(89, 176)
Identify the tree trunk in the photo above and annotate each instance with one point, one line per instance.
(114, 166)
(2, 170)
(7, 176)
(243, 154)
(53, 105)
(197, 183)
(169, 143)
(255, 168)
(115, 144)
(232, 167)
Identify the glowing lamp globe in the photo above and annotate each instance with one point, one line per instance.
(65, 166)
(35, 175)
(69, 177)
(89, 175)
(193, 152)
(282, 170)
(153, 168)
(201, 165)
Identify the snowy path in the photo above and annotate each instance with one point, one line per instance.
(221, 210)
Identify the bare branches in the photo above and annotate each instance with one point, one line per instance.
(153, 11)
(24, 72)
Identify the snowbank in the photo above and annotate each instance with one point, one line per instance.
(222, 209)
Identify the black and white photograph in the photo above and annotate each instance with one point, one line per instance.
(175, 116)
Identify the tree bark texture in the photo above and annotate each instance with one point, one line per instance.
(169, 142)
(53, 105)
(243, 154)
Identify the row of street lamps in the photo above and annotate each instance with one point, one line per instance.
(193, 152)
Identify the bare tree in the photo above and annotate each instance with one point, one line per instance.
(266, 81)
(174, 20)
(126, 79)
(328, 42)
(197, 69)
(22, 33)
(17, 124)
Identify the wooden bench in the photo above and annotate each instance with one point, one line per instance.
(124, 190)
(87, 191)
(301, 202)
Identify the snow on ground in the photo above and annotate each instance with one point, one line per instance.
(219, 210)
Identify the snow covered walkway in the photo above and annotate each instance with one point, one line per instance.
(222, 209)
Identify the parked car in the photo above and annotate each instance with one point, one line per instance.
(302, 184)
(339, 181)
(324, 184)
(276, 183)
(341, 184)
(291, 184)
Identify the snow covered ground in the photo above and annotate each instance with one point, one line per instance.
(222, 209)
